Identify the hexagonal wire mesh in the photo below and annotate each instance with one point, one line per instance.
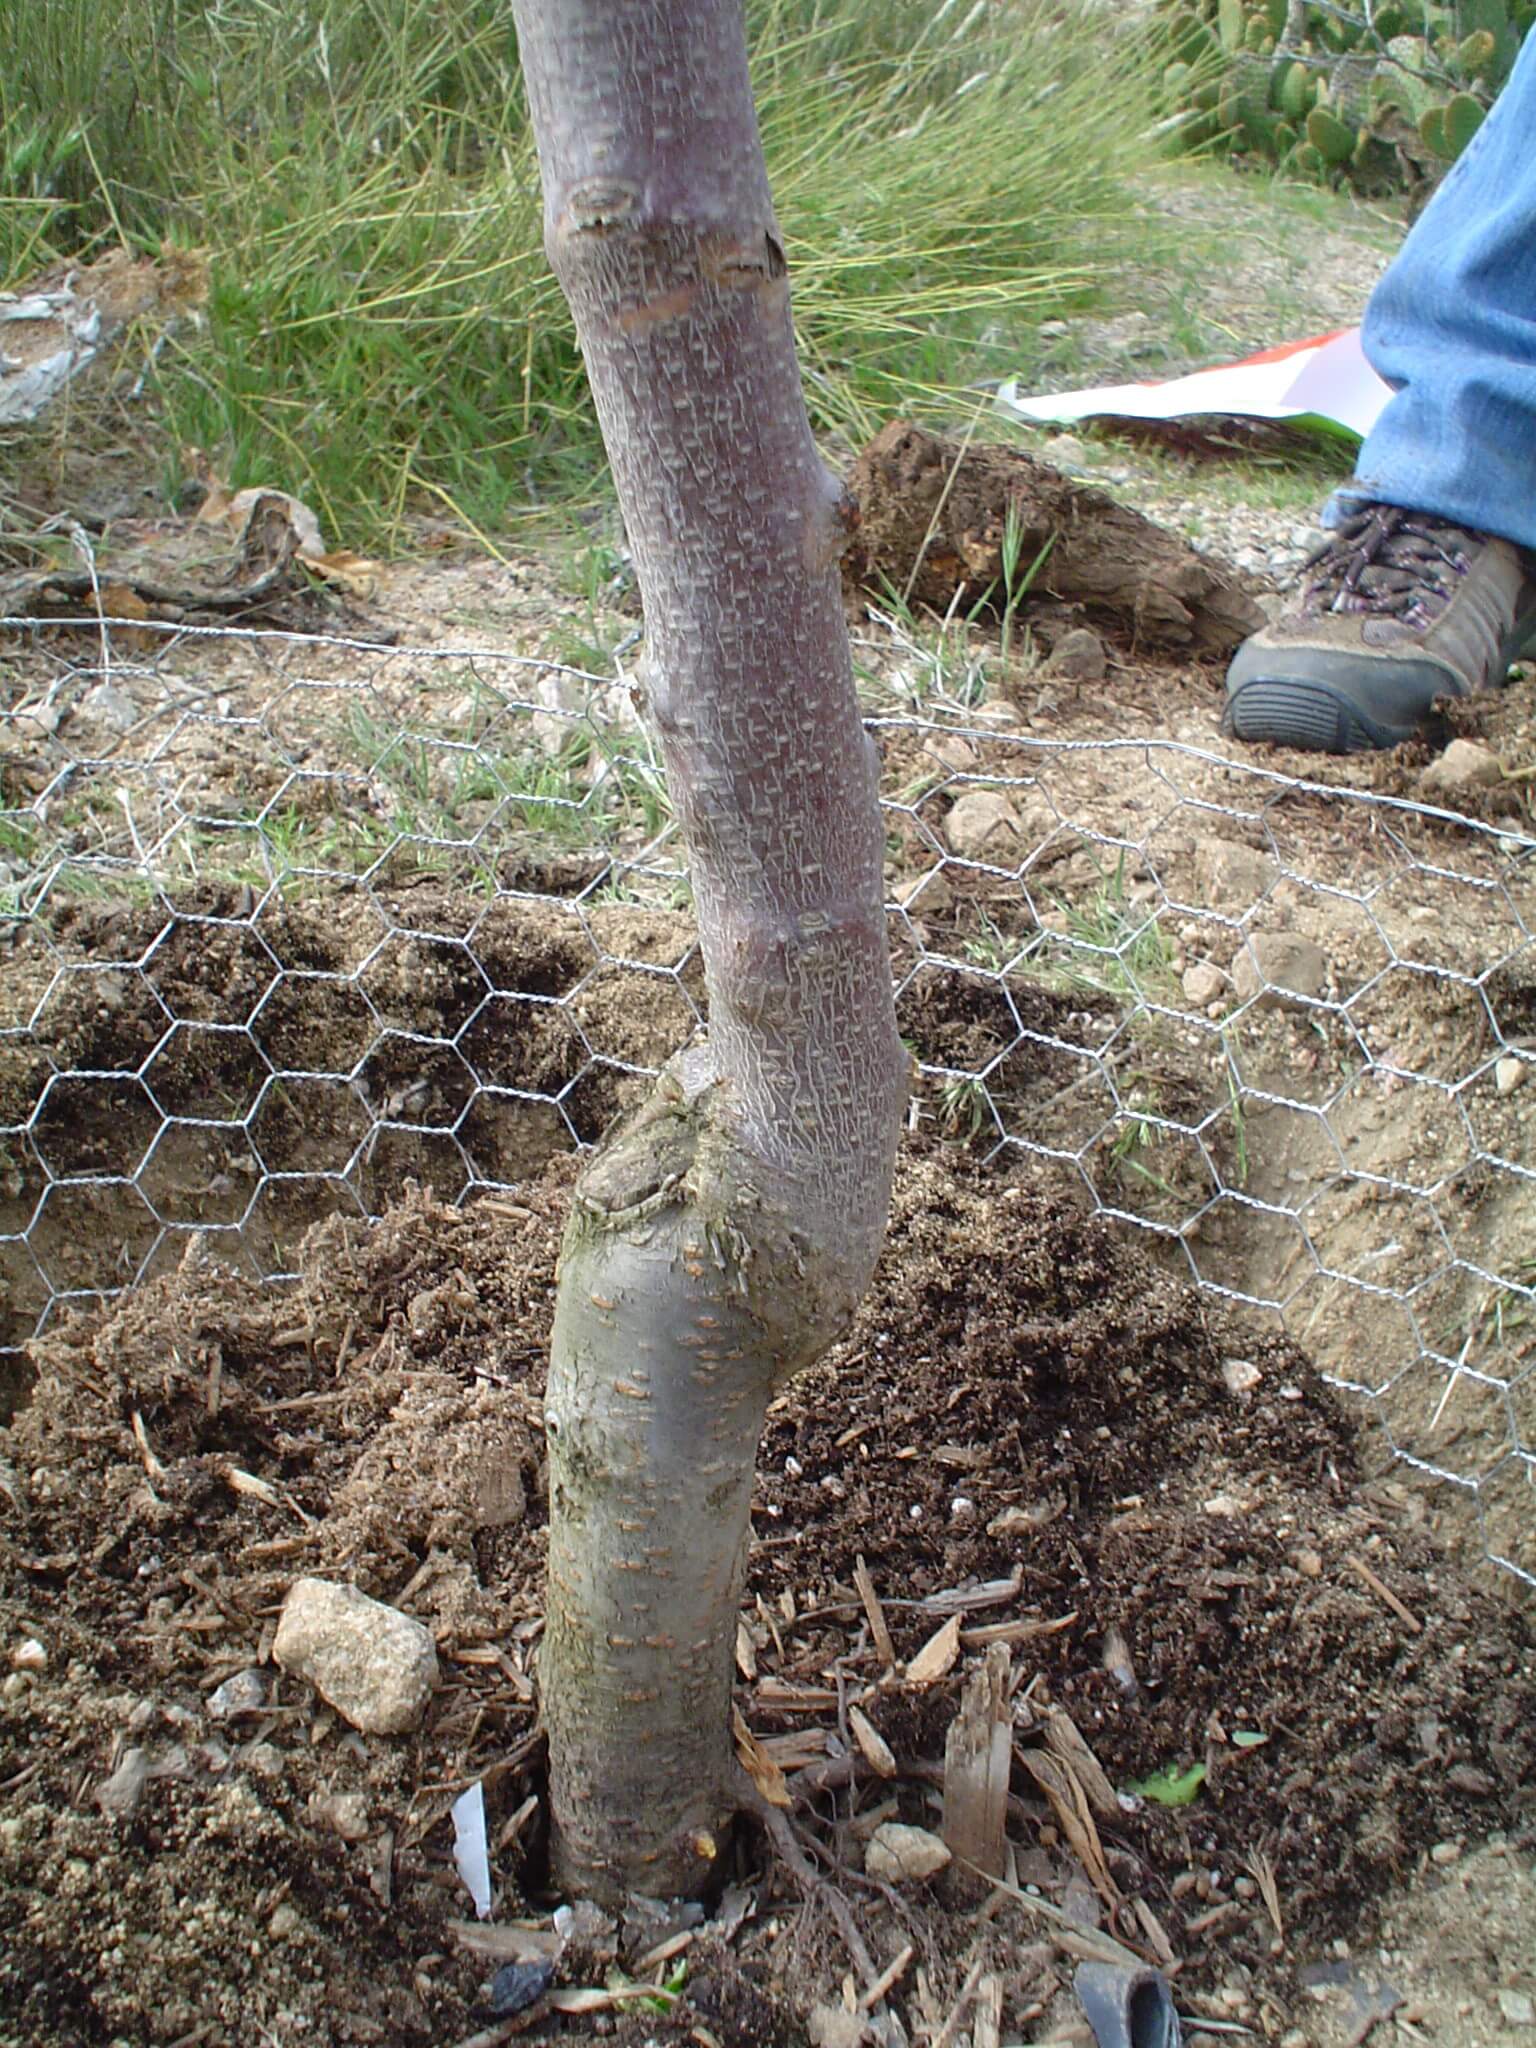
(288, 920)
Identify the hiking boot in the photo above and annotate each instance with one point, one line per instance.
(1396, 609)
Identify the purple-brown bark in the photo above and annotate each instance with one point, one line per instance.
(723, 1239)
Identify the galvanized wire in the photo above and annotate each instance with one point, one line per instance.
(290, 919)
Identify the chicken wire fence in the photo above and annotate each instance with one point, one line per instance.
(289, 920)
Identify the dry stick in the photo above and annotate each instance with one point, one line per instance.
(951, 2026)
(1091, 1945)
(874, 1612)
(887, 1977)
(1384, 1593)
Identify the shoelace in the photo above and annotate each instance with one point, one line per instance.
(1390, 561)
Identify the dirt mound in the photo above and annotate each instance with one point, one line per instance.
(1023, 1402)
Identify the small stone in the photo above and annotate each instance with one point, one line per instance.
(1463, 765)
(1295, 2039)
(109, 706)
(244, 1693)
(831, 2026)
(1508, 1074)
(516, 1986)
(1203, 984)
(344, 1813)
(1308, 1563)
(1240, 1375)
(984, 826)
(376, 1666)
(953, 752)
(1232, 877)
(120, 1794)
(898, 1854)
(285, 1919)
(15, 1684)
(265, 1759)
(1079, 657)
(1445, 1853)
(30, 1655)
(1469, 1779)
(1225, 1504)
(1279, 969)
(924, 895)
(1517, 2007)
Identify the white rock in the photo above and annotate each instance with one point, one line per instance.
(344, 1813)
(1508, 1074)
(830, 2026)
(375, 1666)
(1203, 984)
(244, 1693)
(1278, 968)
(983, 825)
(901, 1855)
(1463, 765)
(29, 1655)
(1518, 2007)
(1240, 1375)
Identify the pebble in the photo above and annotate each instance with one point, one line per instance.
(898, 1854)
(244, 1693)
(30, 1655)
(344, 1813)
(120, 1794)
(1308, 1563)
(516, 1986)
(983, 825)
(1232, 877)
(265, 1759)
(1279, 970)
(1445, 1853)
(1203, 984)
(1240, 1375)
(1508, 1074)
(107, 705)
(1079, 656)
(376, 1666)
(929, 895)
(285, 1919)
(1517, 2007)
(1463, 765)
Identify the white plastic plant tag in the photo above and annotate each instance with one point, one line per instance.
(471, 1852)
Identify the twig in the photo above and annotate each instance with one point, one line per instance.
(887, 1977)
(951, 2026)
(1384, 1593)
(874, 1613)
(1091, 1944)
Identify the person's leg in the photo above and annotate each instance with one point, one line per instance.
(1437, 597)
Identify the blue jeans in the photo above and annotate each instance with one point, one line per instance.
(1452, 327)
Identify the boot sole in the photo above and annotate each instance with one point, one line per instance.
(1319, 713)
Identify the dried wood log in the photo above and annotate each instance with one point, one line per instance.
(933, 517)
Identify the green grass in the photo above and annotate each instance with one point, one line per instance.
(382, 333)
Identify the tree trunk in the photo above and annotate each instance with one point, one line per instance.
(723, 1239)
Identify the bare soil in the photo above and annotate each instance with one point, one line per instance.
(1024, 1401)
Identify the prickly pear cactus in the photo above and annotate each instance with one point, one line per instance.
(1385, 96)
